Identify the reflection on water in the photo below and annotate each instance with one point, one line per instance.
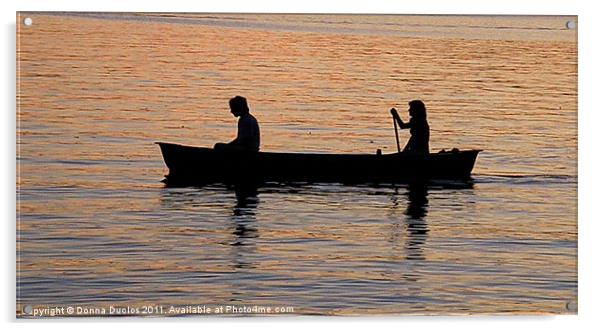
(320, 248)
(245, 225)
(282, 251)
(417, 228)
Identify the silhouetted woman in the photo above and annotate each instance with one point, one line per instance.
(419, 128)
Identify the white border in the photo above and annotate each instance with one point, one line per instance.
(551, 7)
(589, 108)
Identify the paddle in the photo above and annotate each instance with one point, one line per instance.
(395, 117)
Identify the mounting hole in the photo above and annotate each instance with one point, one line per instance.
(28, 21)
(27, 310)
(571, 306)
(570, 25)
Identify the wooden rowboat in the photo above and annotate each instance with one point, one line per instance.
(197, 165)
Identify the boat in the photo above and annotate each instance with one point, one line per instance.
(190, 165)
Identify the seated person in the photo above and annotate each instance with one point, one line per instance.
(419, 128)
(247, 138)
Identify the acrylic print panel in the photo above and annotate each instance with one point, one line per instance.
(328, 217)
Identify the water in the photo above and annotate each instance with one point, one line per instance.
(97, 228)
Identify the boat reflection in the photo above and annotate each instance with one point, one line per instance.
(408, 211)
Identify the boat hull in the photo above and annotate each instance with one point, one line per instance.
(197, 165)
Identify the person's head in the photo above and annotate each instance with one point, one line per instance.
(238, 106)
(417, 109)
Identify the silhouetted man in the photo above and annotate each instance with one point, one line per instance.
(247, 138)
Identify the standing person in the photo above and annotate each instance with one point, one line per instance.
(247, 138)
(419, 128)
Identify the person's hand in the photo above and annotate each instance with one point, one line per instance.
(396, 115)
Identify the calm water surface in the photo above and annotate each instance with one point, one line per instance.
(96, 227)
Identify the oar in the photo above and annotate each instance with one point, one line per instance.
(394, 114)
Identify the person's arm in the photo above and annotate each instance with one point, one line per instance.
(246, 130)
(400, 123)
(236, 140)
